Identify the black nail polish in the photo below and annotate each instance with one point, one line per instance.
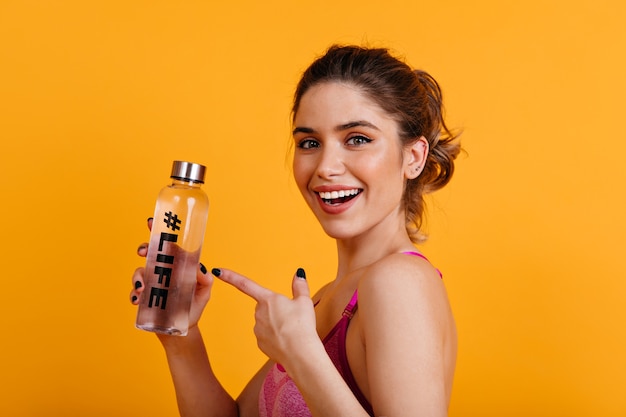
(137, 285)
(217, 272)
(300, 273)
(202, 268)
(134, 298)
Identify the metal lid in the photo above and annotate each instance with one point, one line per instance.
(188, 171)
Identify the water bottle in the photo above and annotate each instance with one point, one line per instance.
(176, 239)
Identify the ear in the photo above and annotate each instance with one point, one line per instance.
(415, 158)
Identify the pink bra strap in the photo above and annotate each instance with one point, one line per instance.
(349, 310)
(423, 257)
(409, 252)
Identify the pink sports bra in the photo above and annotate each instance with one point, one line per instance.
(279, 396)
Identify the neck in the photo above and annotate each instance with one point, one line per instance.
(365, 249)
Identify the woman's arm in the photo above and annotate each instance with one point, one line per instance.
(410, 338)
(322, 387)
(248, 400)
(286, 332)
(198, 391)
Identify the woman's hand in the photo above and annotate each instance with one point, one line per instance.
(284, 327)
(204, 283)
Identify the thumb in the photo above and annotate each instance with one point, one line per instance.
(300, 286)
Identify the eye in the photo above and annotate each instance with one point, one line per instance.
(308, 144)
(358, 140)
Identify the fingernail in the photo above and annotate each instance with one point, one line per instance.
(217, 272)
(149, 218)
(134, 298)
(202, 268)
(137, 285)
(300, 273)
(141, 247)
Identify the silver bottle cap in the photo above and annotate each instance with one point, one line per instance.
(188, 171)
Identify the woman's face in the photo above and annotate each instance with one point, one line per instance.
(348, 162)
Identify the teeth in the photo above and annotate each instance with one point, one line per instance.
(330, 195)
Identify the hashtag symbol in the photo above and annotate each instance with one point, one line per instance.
(172, 221)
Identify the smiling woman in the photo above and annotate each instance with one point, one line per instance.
(411, 99)
(380, 338)
(354, 146)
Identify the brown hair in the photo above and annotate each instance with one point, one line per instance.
(412, 97)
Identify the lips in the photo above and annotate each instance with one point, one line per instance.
(336, 201)
(339, 196)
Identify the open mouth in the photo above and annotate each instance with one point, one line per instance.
(333, 198)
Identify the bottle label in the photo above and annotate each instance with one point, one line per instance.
(164, 263)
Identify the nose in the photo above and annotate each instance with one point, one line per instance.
(330, 163)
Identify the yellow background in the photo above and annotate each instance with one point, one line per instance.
(98, 97)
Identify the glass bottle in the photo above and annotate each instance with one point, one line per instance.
(176, 239)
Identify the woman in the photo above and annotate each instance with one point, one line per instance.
(379, 339)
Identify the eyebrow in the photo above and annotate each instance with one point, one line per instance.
(345, 126)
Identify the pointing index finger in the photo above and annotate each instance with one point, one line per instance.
(243, 284)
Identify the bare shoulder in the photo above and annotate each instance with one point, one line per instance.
(401, 281)
(400, 270)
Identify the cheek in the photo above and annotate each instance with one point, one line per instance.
(383, 166)
(301, 174)
(388, 174)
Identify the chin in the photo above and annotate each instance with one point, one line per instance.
(339, 233)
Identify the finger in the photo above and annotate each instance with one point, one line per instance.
(137, 285)
(202, 276)
(243, 284)
(138, 277)
(142, 250)
(300, 286)
(134, 298)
